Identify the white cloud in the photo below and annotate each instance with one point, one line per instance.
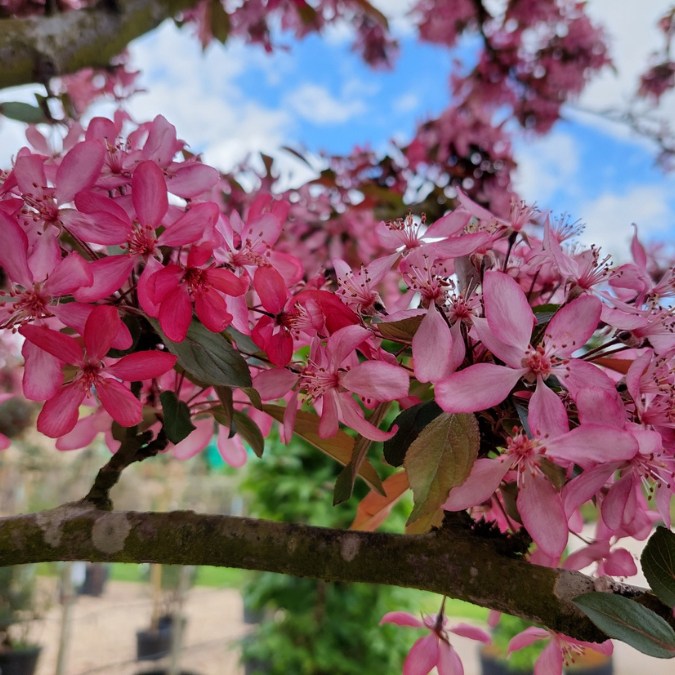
(609, 216)
(545, 165)
(316, 104)
(633, 36)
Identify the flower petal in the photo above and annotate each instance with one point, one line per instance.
(377, 380)
(144, 365)
(432, 347)
(477, 387)
(422, 657)
(59, 414)
(507, 310)
(119, 402)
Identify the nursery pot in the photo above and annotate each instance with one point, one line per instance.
(152, 644)
(95, 578)
(22, 661)
(590, 664)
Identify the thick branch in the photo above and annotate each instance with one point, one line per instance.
(457, 564)
(37, 48)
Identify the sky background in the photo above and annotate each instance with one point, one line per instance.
(318, 95)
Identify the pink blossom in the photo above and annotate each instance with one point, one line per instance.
(93, 373)
(434, 650)
(334, 373)
(561, 650)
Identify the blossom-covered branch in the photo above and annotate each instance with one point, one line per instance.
(448, 562)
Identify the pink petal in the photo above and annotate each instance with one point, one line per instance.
(352, 415)
(591, 443)
(71, 273)
(84, 432)
(78, 170)
(232, 450)
(191, 180)
(195, 224)
(274, 383)
(328, 424)
(473, 632)
(226, 282)
(542, 513)
(546, 413)
(480, 485)
(63, 347)
(149, 194)
(432, 347)
(13, 252)
(99, 331)
(119, 402)
(110, 274)
(175, 314)
(550, 661)
(211, 310)
(584, 486)
(271, 288)
(42, 373)
(449, 662)
(512, 355)
(196, 441)
(619, 504)
(377, 380)
(573, 325)
(507, 310)
(402, 619)
(477, 387)
(59, 414)
(526, 638)
(144, 365)
(422, 657)
(344, 341)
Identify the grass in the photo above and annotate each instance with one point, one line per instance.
(213, 577)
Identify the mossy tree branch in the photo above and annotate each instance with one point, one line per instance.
(455, 563)
(37, 48)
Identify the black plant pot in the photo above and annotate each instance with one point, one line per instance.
(153, 644)
(491, 665)
(95, 579)
(19, 661)
(495, 666)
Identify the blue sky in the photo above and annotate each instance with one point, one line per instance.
(318, 95)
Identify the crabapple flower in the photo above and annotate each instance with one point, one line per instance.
(60, 412)
(176, 287)
(561, 650)
(334, 373)
(434, 650)
(506, 331)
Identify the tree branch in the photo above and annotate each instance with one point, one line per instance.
(37, 48)
(455, 563)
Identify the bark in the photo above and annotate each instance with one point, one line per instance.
(459, 563)
(37, 48)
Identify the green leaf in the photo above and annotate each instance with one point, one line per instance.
(630, 622)
(220, 21)
(339, 447)
(225, 413)
(658, 564)
(410, 422)
(439, 459)
(544, 313)
(208, 356)
(23, 112)
(177, 422)
(249, 431)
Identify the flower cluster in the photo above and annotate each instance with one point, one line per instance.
(118, 250)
